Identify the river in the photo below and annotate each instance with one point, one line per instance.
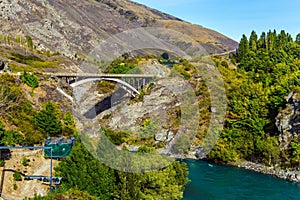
(222, 182)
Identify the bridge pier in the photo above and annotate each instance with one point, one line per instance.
(138, 84)
(71, 80)
(144, 82)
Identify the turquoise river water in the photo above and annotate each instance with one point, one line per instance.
(221, 182)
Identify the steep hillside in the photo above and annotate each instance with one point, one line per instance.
(74, 27)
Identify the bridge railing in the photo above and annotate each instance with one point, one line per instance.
(90, 75)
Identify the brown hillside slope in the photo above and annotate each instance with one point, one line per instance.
(74, 27)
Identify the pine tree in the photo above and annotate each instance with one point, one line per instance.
(47, 120)
(30, 79)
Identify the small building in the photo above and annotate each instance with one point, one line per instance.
(61, 147)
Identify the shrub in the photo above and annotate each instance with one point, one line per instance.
(2, 163)
(15, 186)
(25, 161)
(17, 176)
(117, 138)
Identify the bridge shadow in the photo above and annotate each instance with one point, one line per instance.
(108, 102)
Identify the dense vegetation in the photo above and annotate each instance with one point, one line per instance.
(84, 175)
(123, 65)
(267, 71)
(16, 111)
(33, 126)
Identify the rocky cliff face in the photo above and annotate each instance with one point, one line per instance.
(159, 118)
(75, 27)
(153, 116)
(288, 120)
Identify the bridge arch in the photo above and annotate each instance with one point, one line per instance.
(126, 86)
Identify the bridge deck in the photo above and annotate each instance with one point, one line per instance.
(90, 75)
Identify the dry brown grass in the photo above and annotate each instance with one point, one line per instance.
(38, 165)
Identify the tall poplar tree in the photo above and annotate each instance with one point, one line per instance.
(253, 41)
(298, 38)
(243, 48)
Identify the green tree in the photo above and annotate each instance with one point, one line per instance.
(298, 38)
(68, 124)
(243, 48)
(82, 171)
(271, 40)
(149, 128)
(30, 79)
(253, 41)
(268, 150)
(164, 184)
(2, 134)
(47, 120)
(262, 42)
(295, 149)
(282, 39)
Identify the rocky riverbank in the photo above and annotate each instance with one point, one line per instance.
(286, 174)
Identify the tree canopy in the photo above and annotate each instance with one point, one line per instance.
(82, 171)
(48, 121)
(268, 70)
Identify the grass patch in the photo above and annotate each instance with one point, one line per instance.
(19, 68)
(105, 86)
(33, 61)
(117, 138)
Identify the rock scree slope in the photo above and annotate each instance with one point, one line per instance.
(75, 27)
